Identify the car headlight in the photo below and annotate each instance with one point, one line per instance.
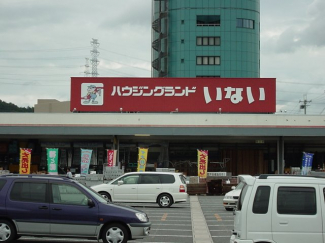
(142, 217)
(228, 197)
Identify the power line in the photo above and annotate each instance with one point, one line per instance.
(48, 50)
(121, 73)
(39, 66)
(295, 108)
(37, 83)
(40, 58)
(34, 79)
(125, 55)
(126, 64)
(86, 72)
(38, 75)
(294, 92)
(321, 97)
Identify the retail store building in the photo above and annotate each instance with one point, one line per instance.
(239, 143)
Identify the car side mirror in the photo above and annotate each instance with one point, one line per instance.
(233, 188)
(120, 183)
(90, 203)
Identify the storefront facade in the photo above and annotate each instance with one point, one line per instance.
(239, 144)
(233, 119)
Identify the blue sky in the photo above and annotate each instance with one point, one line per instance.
(44, 43)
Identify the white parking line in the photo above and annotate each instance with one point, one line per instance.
(230, 225)
(157, 224)
(176, 230)
(183, 236)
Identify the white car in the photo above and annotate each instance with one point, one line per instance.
(231, 198)
(164, 188)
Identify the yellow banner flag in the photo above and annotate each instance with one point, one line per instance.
(142, 159)
(25, 159)
(202, 163)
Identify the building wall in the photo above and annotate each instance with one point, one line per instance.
(238, 50)
(163, 124)
(52, 106)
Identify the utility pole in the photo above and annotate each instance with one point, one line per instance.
(305, 101)
(94, 54)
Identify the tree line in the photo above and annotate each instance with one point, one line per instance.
(10, 107)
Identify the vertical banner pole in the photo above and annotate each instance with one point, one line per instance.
(85, 161)
(52, 160)
(202, 163)
(142, 159)
(111, 157)
(25, 160)
(307, 161)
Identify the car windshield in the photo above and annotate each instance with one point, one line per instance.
(242, 197)
(239, 186)
(93, 193)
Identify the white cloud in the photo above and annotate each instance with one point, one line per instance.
(292, 50)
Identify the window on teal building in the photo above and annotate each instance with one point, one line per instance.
(208, 41)
(208, 20)
(208, 60)
(245, 23)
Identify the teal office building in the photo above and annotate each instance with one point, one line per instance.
(206, 38)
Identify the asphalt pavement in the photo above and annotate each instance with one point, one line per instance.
(202, 219)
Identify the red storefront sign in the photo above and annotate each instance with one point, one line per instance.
(226, 95)
(111, 157)
(202, 157)
(25, 160)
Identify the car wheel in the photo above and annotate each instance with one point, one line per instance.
(229, 209)
(115, 233)
(106, 196)
(7, 231)
(165, 201)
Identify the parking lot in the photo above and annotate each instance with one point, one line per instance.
(175, 224)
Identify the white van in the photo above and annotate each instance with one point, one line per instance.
(164, 188)
(280, 209)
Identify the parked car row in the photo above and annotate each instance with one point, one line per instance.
(54, 206)
(268, 208)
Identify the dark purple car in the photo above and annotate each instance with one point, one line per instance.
(54, 206)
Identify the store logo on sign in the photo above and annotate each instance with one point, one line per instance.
(234, 94)
(92, 94)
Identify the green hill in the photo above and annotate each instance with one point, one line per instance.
(10, 107)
